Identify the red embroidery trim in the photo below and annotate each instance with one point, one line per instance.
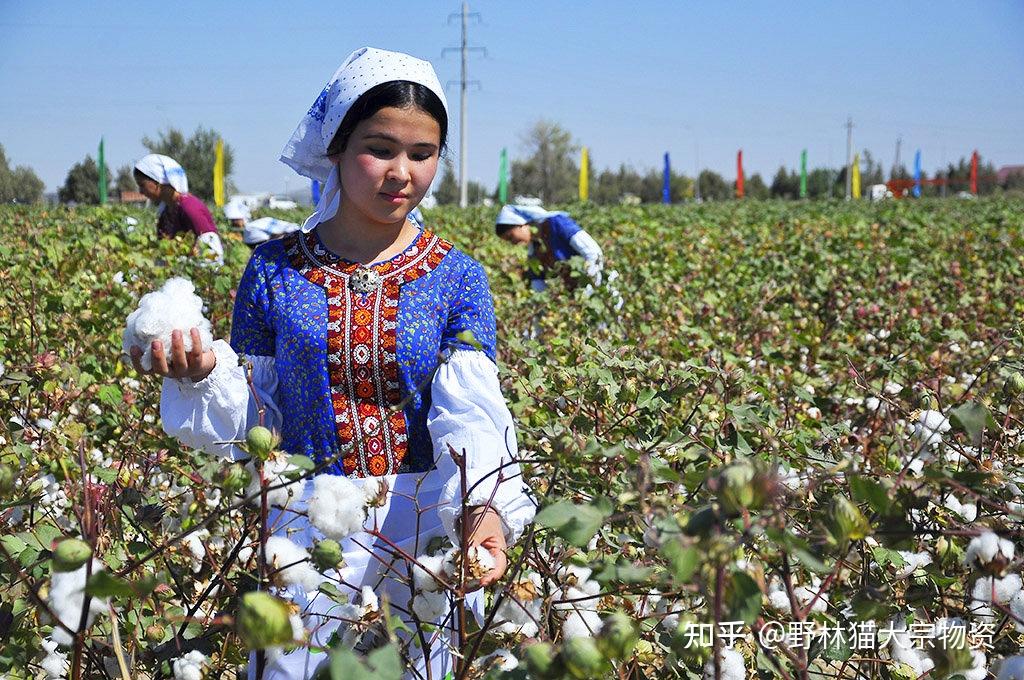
(362, 360)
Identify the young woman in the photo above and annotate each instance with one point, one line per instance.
(162, 180)
(355, 330)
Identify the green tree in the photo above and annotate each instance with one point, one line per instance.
(125, 180)
(447, 191)
(196, 154)
(550, 170)
(20, 184)
(786, 184)
(871, 170)
(82, 184)
(610, 186)
(754, 187)
(821, 183)
(713, 187)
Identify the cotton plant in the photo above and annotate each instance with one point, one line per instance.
(175, 306)
(731, 665)
(67, 599)
(190, 666)
(55, 662)
(577, 600)
(520, 611)
(929, 427)
(989, 552)
(283, 481)
(778, 598)
(290, 565)
(337, 507)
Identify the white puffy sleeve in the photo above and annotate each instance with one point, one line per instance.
(468, 413)
(584, 244)
(221, 408)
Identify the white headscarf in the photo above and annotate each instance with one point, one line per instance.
(236, 210)
(165, 170)
(517, 215)
(306, 151)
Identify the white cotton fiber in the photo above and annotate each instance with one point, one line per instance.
(291, 565)
(337, 507)
(190, 666)
(174, 307)
(67, 595)
(730, 663)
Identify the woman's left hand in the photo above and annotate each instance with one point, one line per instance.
(486, 530)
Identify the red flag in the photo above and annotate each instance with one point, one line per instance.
(739, 174)
(974, 172)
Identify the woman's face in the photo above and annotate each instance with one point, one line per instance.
(388, 164)
(148, 187)
(519, 235)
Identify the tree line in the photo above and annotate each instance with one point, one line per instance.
(549, 170)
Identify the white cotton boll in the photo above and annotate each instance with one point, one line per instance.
(1017, 610)
(986, 547)
(1011, 668)
(929, 427)
(298, 628)
(913, 562)
(275, 470)
(337, 506)
(581, 623)
(291, 564)
(968, 511)
(423, 572)
(902, 650)
(67, 597)
(175, 306)
(730, 663)
(55, 663)
(374, 491)
(978, 669)
(430, 606)
(190, 666)
(804, 595)
(368, 601)
(892, 388)
(1002, 589)
(518, 617)
(981, 612)
(778, 599)
(500, 659)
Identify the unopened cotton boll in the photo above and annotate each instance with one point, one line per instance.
(190, 666)
(67, 597)
(337, 507)
(731, 664)
(175, 306)
(291, 565)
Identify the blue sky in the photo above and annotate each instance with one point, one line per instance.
(630, 80)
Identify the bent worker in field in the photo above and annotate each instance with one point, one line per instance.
(162, 180)
(550, 237)
(255, 232)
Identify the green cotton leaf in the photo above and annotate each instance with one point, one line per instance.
(345, 665)
(467, 337)
(385, 663)
(304, 463)
(103, 584)
(871, 492)
(623, 572)
(743, 598)
(331, 591)
(12, 544)
(972, 418)
(110, 395)
(682, 560)
(577, 524)
(839, 648)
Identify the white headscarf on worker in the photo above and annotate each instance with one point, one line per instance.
(164, 170)
(364, 69)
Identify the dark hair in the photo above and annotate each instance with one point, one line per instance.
(500, 229)
(139, 174)
(400, 94)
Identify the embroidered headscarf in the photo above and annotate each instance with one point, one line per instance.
(164, 170)
(364, 69)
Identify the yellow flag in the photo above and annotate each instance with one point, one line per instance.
(584, 175)
(218, 174)
(855, 176)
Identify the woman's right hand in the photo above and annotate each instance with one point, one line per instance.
(196, 364)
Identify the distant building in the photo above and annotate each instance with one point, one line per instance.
(132, 198)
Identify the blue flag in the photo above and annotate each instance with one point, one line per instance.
(316, 192)
(917, 174)
(666, 185)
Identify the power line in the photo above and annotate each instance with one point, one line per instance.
(464, 50)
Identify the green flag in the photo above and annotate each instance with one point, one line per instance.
(803, 174)
(103, 176)
(503, 177)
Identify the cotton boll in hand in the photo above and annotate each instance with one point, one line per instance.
(175, 306)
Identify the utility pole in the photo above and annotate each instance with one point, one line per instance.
(896, 164)
(849, 157)
(464, 49)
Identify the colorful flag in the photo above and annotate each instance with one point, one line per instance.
(666, 182)
(855, 176)
(974, 172)
(103, 176)
(584, 175)
(739, 174)
(316, 192)
(803, 174)
(218, 174)
(917, 174)
(503, 177)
